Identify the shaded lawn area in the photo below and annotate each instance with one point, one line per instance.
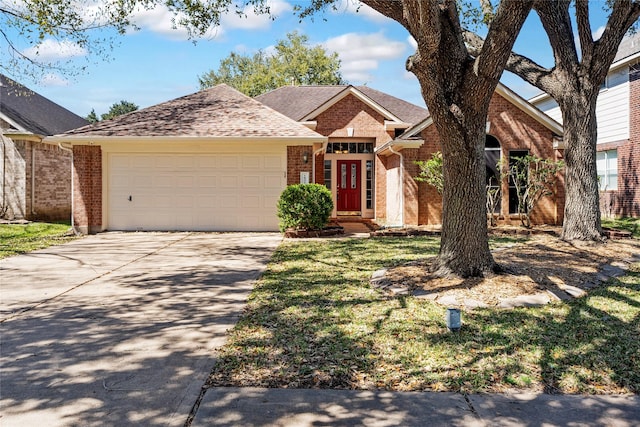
(313, 320)
(21, 238)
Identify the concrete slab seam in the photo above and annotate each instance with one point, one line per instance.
(27, 309)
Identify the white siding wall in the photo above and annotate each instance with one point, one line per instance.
(550, 106)
(612, 108)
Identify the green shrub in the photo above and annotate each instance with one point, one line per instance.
(305, 207)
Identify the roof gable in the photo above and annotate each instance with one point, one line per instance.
(303, 103)
(218, 112)
(29, 112)
(510, 96)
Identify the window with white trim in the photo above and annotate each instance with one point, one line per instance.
(607, 164)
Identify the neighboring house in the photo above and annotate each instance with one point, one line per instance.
(218, 160)
(618, 146)
(374, 140)
(35, 178)
(212, 160)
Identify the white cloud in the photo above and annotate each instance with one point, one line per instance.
(51, 50)
(361, 53)
(253, 21)
(412, 42)
(598, 32)
(52, 79)
(162, 21)
(356, 7)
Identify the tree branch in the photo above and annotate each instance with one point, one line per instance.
(391, 9)
(624, 14)
(496, 48)
(525, 68)
(584, 29)
(556, 21)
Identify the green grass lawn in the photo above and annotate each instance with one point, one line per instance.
(314, 321)
(21, 238)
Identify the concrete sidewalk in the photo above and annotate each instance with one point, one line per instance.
(302, 408)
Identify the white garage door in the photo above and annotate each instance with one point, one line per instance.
(212, 192)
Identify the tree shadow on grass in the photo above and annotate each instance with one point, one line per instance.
(132, 347)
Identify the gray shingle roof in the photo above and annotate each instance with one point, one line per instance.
(220, 111)
(33, 112)
(628, 46)
(298, 101)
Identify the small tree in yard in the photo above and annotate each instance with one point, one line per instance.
(305, 207)
(533, 178)
(431, 171)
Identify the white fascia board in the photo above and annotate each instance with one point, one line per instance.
(361, 96)
(397, 145)
(529, 109)
(417, 128)
(624, 61)
(14, 124)
(311, 124)
(101, 140)
(391, 125)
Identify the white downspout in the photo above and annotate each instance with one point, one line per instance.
(70, 150)
(401, 184)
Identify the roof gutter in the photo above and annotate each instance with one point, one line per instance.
(101, 139)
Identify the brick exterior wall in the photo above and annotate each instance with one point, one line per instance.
(515, 130)
(50, 198)
(13, 179)
(368, 124)
(87, 196)
(296, 164)
(52, 193)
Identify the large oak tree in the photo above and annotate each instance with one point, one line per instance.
(581, 66)
(457, 88)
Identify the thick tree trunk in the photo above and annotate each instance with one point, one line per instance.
(582, 206)
(464, 248)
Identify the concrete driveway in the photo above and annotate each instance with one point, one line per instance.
(120, 328)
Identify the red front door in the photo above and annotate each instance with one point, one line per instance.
(348, 185)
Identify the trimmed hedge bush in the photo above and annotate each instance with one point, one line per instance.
(305, 207)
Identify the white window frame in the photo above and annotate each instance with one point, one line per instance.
(608, 158)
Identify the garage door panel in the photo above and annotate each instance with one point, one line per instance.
(272, 182)
(228, 181)
(227, 162)
(252, 181)
(195, 192)
(273, 162)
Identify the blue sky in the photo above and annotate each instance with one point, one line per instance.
(158, 63)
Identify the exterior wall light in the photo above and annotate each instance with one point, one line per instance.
(305, 157)
(453, 319)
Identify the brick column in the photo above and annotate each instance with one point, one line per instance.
(87, 188)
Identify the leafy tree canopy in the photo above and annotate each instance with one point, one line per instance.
(117, 109)
(89, 29)
(292, 62)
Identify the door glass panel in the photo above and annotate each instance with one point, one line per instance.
(353, 175)
(343, 175)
